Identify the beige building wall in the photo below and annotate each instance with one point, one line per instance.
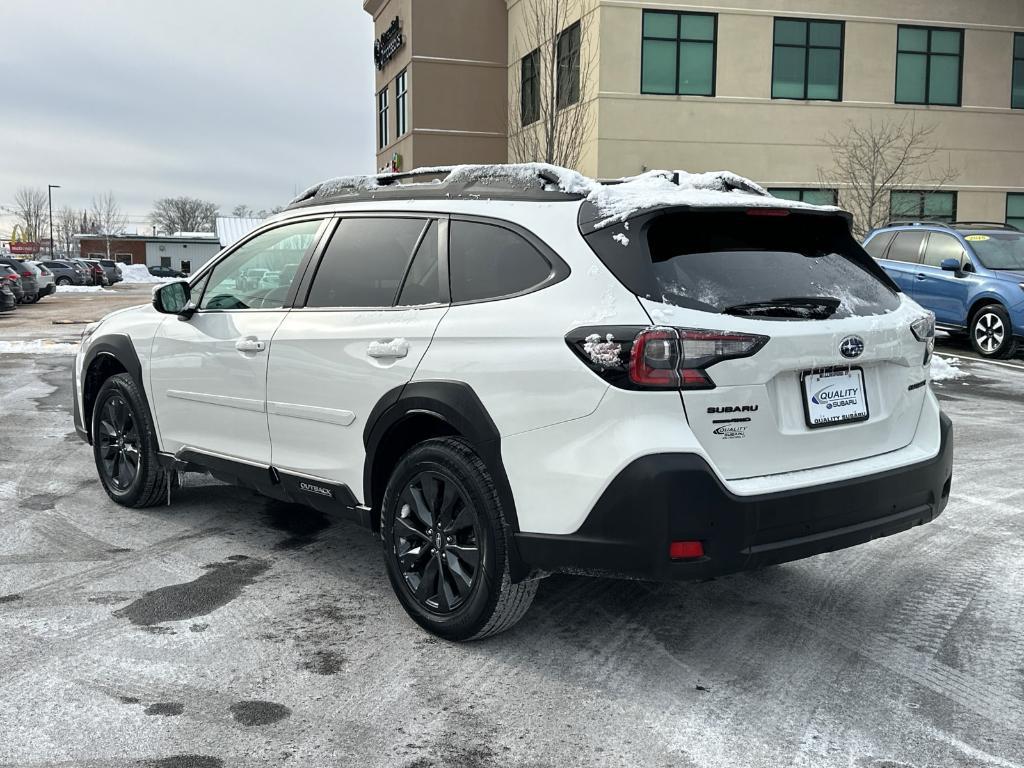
(780, 142)
(455, 54)
(464, 57)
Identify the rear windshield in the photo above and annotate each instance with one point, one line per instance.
(999, 251)
(785, 267)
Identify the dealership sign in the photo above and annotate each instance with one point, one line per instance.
(388, 44)
(22, 246)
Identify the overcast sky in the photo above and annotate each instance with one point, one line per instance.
(234, 101)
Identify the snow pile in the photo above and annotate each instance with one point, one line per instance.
(943, 369)
(139, 273)
(614, 201)
(81, 289)
(37, 347)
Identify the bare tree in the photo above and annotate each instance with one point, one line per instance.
(66, 224)
(107, 217)
(183, 214)
(30, 209)
(550, 110)
(870, 162)
(243, 211)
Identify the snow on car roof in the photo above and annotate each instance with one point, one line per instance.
(615, 200)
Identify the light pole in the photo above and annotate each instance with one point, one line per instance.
(49, 198)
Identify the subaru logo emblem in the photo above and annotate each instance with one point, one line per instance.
(851, 346)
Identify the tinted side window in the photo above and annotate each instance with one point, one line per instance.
(942, 247)
(487, 261)
(365, 262)
(423, 283)
(876, 245)
(907, 247)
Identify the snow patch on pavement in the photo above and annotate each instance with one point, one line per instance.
(37, 347)
(81, 289)
(945, 369)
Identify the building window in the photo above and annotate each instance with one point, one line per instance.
(1015, 210)
(165, 261)
(401, 103)
(807, 60)
(1018, 71)
(811, 195)
(382, 119)
(567, 50)
(529, 87)
(918, 205)
(678, 53)
(928, 65)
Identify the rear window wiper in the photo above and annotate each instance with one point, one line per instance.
(798, 308)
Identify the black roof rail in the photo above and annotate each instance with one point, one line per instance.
(917, 223)
(434, 182)
(986, 225)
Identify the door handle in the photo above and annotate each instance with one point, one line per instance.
(388, 348)
(250, 344)
(921, 276)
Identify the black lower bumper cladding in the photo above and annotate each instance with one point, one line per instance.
(676, 497)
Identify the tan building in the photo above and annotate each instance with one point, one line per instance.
(696, 85)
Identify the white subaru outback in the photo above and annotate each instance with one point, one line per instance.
(508, 371)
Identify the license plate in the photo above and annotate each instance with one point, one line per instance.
(834, 397)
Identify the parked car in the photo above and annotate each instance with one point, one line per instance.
(111, 273)
(66, 272)
(969, 274)
(28, 279)
(12, 279)
(44, 278)
(96, 271)
(512, 372)
(165, 272)
(8, 301)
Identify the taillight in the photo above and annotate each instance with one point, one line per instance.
(659, 357)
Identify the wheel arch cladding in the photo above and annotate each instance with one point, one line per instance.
(108, 356)
(418, 411)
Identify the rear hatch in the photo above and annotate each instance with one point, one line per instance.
(795, 350)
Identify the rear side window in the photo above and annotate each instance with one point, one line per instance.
(423, 282)
(487, 262)
(794, 267)
(365, 262)
(907, 247)
(876, 245)
(941, 247)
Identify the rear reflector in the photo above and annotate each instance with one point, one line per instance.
(685, 550)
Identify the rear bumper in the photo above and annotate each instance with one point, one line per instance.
(677, 497)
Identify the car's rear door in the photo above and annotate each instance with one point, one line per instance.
(208, 375)
(943, 292)
(364, 318)
(903, 258)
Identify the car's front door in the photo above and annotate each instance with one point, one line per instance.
(208, 375)
(370, 311)
(942, 291)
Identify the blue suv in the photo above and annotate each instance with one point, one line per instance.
(970, 274)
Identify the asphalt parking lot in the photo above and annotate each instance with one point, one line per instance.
(230, 630)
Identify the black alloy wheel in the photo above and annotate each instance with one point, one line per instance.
(437, 539)
(119, 442)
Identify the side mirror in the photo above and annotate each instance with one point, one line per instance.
(173, 299)
(950, 265)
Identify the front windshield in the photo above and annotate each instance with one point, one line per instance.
(1004, 250)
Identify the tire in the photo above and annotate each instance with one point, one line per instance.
(992, 333)
(124, 446)
(63, 281)
(444, 480)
